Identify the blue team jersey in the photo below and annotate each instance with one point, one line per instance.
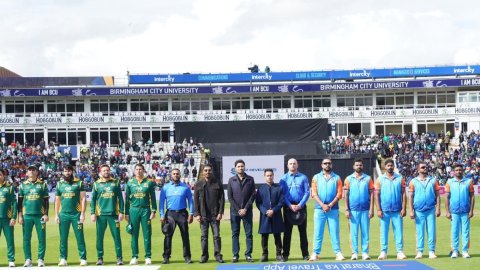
(390, 192)
(424, 193)
(359, 190)
(459, 194)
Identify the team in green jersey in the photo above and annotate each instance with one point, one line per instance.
(140, 209)
(33, 212)
(8, 216)
(70, 203)
(106, 208)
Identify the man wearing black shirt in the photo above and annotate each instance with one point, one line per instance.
(209, 201)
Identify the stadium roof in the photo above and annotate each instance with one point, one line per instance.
(4, 73)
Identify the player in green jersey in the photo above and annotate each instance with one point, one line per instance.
(70, 203)
(106, 208)
(33, 211)
(8, 216)
(140, 209)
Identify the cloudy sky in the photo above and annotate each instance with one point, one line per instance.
(99, 37)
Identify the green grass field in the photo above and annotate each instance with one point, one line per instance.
(443, 244)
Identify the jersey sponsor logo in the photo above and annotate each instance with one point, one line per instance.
(139, 195)
(68, 195)
(32, 197)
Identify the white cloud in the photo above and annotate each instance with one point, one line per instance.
(80, 38)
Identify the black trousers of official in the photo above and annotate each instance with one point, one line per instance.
(181, 221)
(205, 224)
(287, 236)
(278, 244)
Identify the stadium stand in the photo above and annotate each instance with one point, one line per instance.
(159, 159)
(438, 150)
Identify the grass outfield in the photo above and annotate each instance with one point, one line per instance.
(443, 244)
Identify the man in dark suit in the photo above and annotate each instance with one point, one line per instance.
(270, 199)
(209, 201)
(241, 194)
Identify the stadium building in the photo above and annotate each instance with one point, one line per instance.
(79, 110)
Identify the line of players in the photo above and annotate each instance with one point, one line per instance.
(390, 199)
(108, 209)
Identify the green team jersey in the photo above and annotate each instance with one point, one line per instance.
(140, 194)
(8, 201)
(107, 198)
(33, 194)
(69, 193)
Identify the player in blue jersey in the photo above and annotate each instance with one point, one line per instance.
(390, 200)
(459, 203)
(359, 192)
(424, 208)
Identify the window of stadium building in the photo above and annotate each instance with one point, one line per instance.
(58, 136)
(436, 127)
(66, 106)
(322, 101)
(393, 127)
(112, 136)
(473, 96)
(272, 104)
(398, 100)
(145, 133)
(62, 136)
(354, 100)
(345, 129)
(24, 135)
(149, 105)
(427, 99)
(24, 107)
(189, 104)
(231, 104)
(108, 106)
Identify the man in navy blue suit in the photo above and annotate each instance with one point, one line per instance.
(270, 199)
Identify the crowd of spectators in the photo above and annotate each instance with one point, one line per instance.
(158, 159)
(15, 158)
(409, 148)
